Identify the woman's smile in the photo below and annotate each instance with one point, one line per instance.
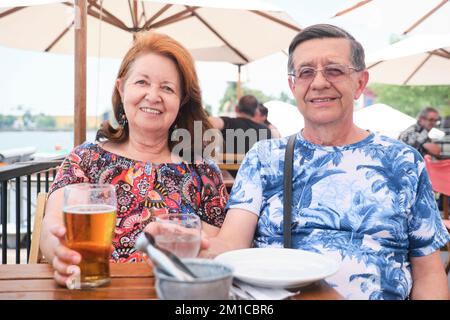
(150, 110)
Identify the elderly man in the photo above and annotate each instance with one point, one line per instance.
(417, 134)
(361, 198)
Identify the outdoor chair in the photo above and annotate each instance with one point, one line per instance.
(35, 252)
(439, 172)
(229, 164)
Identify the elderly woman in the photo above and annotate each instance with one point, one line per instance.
(156, 92)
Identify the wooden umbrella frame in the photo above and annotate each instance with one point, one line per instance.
(411, 28)
(141, 21)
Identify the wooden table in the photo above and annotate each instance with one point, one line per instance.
(129, 281)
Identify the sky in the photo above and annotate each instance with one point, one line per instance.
(43, 82)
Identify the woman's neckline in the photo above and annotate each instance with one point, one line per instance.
(101, 148)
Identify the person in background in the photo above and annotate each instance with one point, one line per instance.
(417, 134)
(240, 133)
(156, 93)
(358, 197)
(261, 115)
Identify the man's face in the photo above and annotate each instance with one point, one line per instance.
(324, 101)
(430, 120)
(258, 117)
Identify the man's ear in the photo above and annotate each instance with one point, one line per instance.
(291, 85)
(362, 83)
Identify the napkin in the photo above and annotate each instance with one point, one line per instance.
(245, 291)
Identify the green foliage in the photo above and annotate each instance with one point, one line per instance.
(393, 38)
(229, 97)
(27, 118)
(208, 109)
(44, 122)
(286, 98)
(29, 121)
(412, 99)
(6, 121)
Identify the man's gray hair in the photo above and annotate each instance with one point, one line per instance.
(321, 31)
(424, 112)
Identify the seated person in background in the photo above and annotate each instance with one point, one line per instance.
(241, 133)
(261, 115)
(417, 134)
(156, 93)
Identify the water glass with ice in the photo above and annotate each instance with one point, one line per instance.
(180, 233)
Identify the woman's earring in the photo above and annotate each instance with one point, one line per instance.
(123, 121)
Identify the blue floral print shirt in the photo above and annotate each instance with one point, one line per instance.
(369, 205)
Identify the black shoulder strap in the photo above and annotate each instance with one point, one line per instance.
(287, 196)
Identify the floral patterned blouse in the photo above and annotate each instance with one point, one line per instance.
(176, 187)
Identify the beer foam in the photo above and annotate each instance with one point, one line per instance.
(89, 209)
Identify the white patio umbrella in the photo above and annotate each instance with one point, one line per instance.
(416, 60)
(246, 30)
(230, 30)
(387, 121)
(379, 118)
(18, 3)
(399, 16)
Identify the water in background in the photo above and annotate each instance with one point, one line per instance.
(47, 143)
(60, 142)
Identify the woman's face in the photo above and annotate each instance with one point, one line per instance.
(151, 94)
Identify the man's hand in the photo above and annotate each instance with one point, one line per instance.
(432, 148)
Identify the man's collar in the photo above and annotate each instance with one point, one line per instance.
(420, 128)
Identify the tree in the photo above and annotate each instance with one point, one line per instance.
(412, 99)
(208, 109)
(45, 122)
(286, 98)
(6, 121)
(27, 118)
(229, 99)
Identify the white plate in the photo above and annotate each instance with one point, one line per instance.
(278, 267)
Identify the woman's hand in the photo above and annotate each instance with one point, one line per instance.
(65, 261)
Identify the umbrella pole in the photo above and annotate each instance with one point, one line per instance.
(238, 84)
(79, 123)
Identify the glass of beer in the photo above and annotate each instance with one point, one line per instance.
(90, 217)
(179, 233)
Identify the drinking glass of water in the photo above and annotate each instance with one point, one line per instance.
(179, 233)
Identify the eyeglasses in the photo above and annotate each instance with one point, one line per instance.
(436, 121)
(433, 119)
(332, 72)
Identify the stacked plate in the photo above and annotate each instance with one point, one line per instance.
(279, 267)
